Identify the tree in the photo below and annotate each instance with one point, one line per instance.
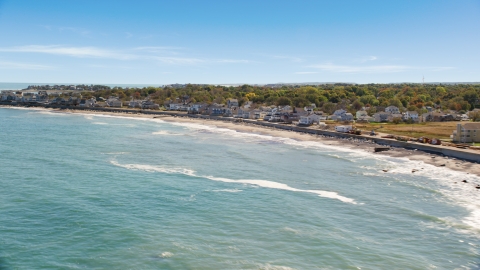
(369, 99)
(396, 120)
(471, 97)
(283, 101)
(328, 107)
(474, 115)
(357, 105)
(396, 102)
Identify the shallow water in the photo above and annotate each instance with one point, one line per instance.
(85, 191)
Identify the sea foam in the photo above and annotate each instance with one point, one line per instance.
(259, 183)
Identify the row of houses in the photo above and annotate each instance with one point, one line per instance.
(18, 96)
(231, 108)
(41, 97)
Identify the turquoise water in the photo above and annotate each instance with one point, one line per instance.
(97, 192)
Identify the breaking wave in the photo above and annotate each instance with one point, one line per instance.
(259, 183)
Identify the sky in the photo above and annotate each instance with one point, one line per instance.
(234, 42)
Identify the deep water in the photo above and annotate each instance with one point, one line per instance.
(97, 192)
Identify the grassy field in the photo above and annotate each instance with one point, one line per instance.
(441, 130)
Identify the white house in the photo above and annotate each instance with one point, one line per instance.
(466, 133)
(381, 117)
(343, 128)
(361, 114)
(411, 115)
(342, 115)
(114, 102)
(392, 110)
(232, 102)
(135, 104)
(88, 102)
(175, 106)
(258, 114)
(309, 119)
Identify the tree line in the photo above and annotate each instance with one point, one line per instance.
(352, 97)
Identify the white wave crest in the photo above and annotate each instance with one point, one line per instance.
(227, 190)
(260, 183)
(164, 132)
(150, 168)
(166, 255)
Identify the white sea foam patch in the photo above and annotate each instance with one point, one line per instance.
(260, 183)
(150, 168)
(100, 123)
(116, 153)
(164, 132)
(166, 255)
(448, 182)
(254, 137)
(461, 194)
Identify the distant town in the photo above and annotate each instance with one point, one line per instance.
(341, 105)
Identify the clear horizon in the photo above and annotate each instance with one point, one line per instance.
(251, 42)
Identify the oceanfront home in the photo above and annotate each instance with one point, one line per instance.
(395, 116)
(87, 102)
(259, 114)
(232, 102)
(135, 104)
(114, 102)
(307, 120)
(361, 114)
(392, 110)
(150, 105)
(216, 109)
(413, 115)
(381, 117)
(341, 115)
(466, 133)
(197, 108)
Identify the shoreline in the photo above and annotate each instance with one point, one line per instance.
(357, 143)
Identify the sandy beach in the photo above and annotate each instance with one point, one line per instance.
(368, 146)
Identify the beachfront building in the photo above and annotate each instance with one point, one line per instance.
(361, 114)
(381, 117)
(135, 104)
(243, 112)
(114, 102)
(466, 133)
(259, 114)
(306, 120)
(411, 115)
(196, 108)
(149, 105)
(309, 109)
(88, 102)
(341, 115)
(232, 102)
(392, 110)
(216, 109)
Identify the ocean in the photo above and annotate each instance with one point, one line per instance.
(82, 191)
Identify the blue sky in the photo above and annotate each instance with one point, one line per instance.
(226, 41)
